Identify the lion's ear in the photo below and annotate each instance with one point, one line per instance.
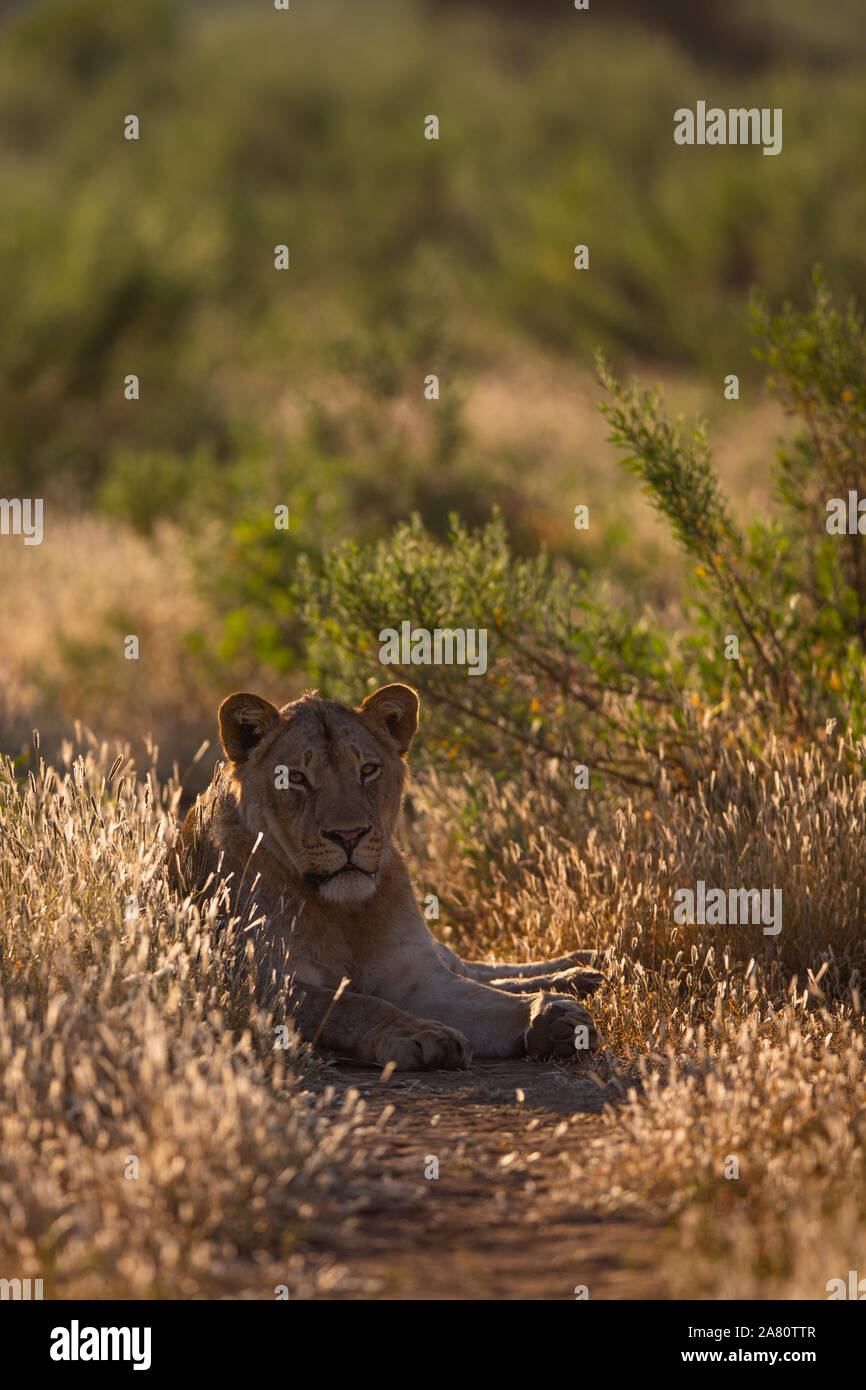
(244, 721)
(393, 711)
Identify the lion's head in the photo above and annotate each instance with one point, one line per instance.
(322, 782)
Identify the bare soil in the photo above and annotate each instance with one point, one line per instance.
(501, 1220)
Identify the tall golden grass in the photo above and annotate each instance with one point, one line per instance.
(124, 1035)
(125, 1031)
(724, 1043)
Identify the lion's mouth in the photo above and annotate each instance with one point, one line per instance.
(319, 880)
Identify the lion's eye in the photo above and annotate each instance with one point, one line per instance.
(368, 769)
(297, 779)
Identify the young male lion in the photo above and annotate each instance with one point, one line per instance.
(303, 817)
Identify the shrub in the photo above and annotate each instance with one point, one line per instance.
(572, 676)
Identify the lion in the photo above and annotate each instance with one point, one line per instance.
(302, 819)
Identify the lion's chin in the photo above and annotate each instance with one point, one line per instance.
(350, 887)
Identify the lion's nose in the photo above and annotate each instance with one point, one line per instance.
(347, 838)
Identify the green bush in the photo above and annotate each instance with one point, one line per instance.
(793, 593)
(408, 255)
(572, 676)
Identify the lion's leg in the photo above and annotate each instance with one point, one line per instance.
(519, 986)
(496, 1023)
(373, 1030)
(580, 981)
(486, 972)
(532, 969)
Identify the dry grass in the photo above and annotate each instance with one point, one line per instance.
(726, 1043)
(778, 1090)
(127, 1036)
(528, 871)
(131, 1035)
(69, 607)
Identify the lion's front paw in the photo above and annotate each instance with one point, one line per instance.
(581, 980)
(421, 1045)
(560, 1028)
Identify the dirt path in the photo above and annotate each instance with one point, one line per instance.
(493, 1225)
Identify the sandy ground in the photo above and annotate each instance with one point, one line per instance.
(494, 1224)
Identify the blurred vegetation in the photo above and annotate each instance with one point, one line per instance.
(407, 255)
(305, 388)
(569, 670)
